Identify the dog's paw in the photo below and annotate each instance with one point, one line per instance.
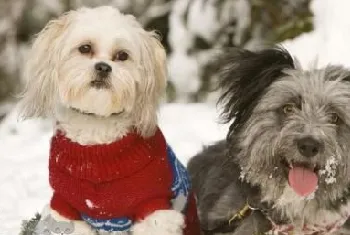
(162, 222)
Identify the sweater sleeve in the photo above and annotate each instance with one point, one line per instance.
(59, 204)
(147, 208)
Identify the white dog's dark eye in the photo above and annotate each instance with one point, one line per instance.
(85, 49)
(122, 56)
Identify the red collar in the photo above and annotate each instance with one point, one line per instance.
(105, 162)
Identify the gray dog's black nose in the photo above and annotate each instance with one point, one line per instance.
(103, 68)
(308, 146)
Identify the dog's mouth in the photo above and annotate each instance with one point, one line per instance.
(94, 114)
(100, 84)
(302, 177)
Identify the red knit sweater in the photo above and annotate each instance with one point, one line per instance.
(128, 178)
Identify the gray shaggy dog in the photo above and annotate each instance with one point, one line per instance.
(284, 166)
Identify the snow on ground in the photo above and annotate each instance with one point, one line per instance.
(24, 146)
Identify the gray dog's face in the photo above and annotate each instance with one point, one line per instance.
(292, 127)
(299, 134)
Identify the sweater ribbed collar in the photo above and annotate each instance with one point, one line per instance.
(106, 162)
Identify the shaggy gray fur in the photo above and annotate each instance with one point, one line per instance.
(252, 164)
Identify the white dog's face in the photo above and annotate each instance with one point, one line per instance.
(96, 61)
(101, 64)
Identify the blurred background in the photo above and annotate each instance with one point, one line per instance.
(191, 31)
(316, 32)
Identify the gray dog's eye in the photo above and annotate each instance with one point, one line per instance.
(289, 108)
(333, 118)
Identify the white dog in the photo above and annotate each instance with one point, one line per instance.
(100, 75)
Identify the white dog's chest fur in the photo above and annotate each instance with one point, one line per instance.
(85, 129)
(306, 216)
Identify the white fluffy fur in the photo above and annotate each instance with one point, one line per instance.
(59, 83)
(165, 222)
(59, 76)
(87, 129)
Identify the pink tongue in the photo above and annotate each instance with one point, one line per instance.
(304, 181)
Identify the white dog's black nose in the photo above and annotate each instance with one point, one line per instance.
(308, 146)
(102, 71)
(103, 68)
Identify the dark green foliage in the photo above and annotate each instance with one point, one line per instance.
(282, 19)
(28, 227)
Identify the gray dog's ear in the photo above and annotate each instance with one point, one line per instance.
(244, 77)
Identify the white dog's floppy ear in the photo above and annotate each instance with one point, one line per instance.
(152, 86)
(41, 69)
